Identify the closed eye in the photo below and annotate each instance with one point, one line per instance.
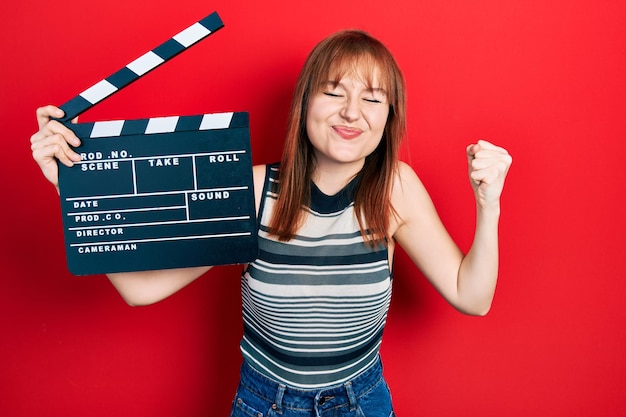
(328, 93)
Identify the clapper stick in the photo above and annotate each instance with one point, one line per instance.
(162, 192)
(141, 66)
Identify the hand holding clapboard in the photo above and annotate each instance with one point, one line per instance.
(162, 192)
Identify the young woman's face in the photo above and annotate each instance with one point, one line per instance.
(346, 120)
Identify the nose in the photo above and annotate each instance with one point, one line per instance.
(351, 109)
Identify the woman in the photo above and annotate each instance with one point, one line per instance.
(330, 216)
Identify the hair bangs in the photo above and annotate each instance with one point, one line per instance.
(366, 63)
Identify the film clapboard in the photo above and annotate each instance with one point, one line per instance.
(157, 193)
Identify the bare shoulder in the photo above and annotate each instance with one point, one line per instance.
(409, 197)
(406, 185)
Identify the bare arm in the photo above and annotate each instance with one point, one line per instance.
(148, 287)
(53, 142)
(466, 281)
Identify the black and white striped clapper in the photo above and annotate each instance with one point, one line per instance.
(157, 193)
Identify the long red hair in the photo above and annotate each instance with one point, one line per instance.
(336, 55)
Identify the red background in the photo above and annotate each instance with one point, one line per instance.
(545, 79)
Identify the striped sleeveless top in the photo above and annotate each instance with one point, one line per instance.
(314, 308)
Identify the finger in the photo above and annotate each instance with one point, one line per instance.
(486, 176)
(495, 156)
(489, 170)
(44, 114)
(49, 155)
(55, 128)
(486, 145)
(54, 146)
(472, 150)
(475, 178)
(482, 175)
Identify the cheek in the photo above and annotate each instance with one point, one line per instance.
(311, 128)
(312, 117)
(378, 121)
(316, 121)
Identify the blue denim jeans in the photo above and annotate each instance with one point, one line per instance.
(366, 395)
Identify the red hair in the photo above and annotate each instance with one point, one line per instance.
(349, 50)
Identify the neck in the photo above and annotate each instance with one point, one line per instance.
(331, 178)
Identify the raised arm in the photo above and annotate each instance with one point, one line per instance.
(466, 281)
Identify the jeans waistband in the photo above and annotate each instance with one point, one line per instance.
(284, 396)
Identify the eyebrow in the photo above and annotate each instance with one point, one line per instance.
(371, 89)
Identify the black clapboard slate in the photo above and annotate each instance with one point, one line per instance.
(158, 193)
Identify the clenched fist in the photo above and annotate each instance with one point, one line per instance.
(488, 165)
